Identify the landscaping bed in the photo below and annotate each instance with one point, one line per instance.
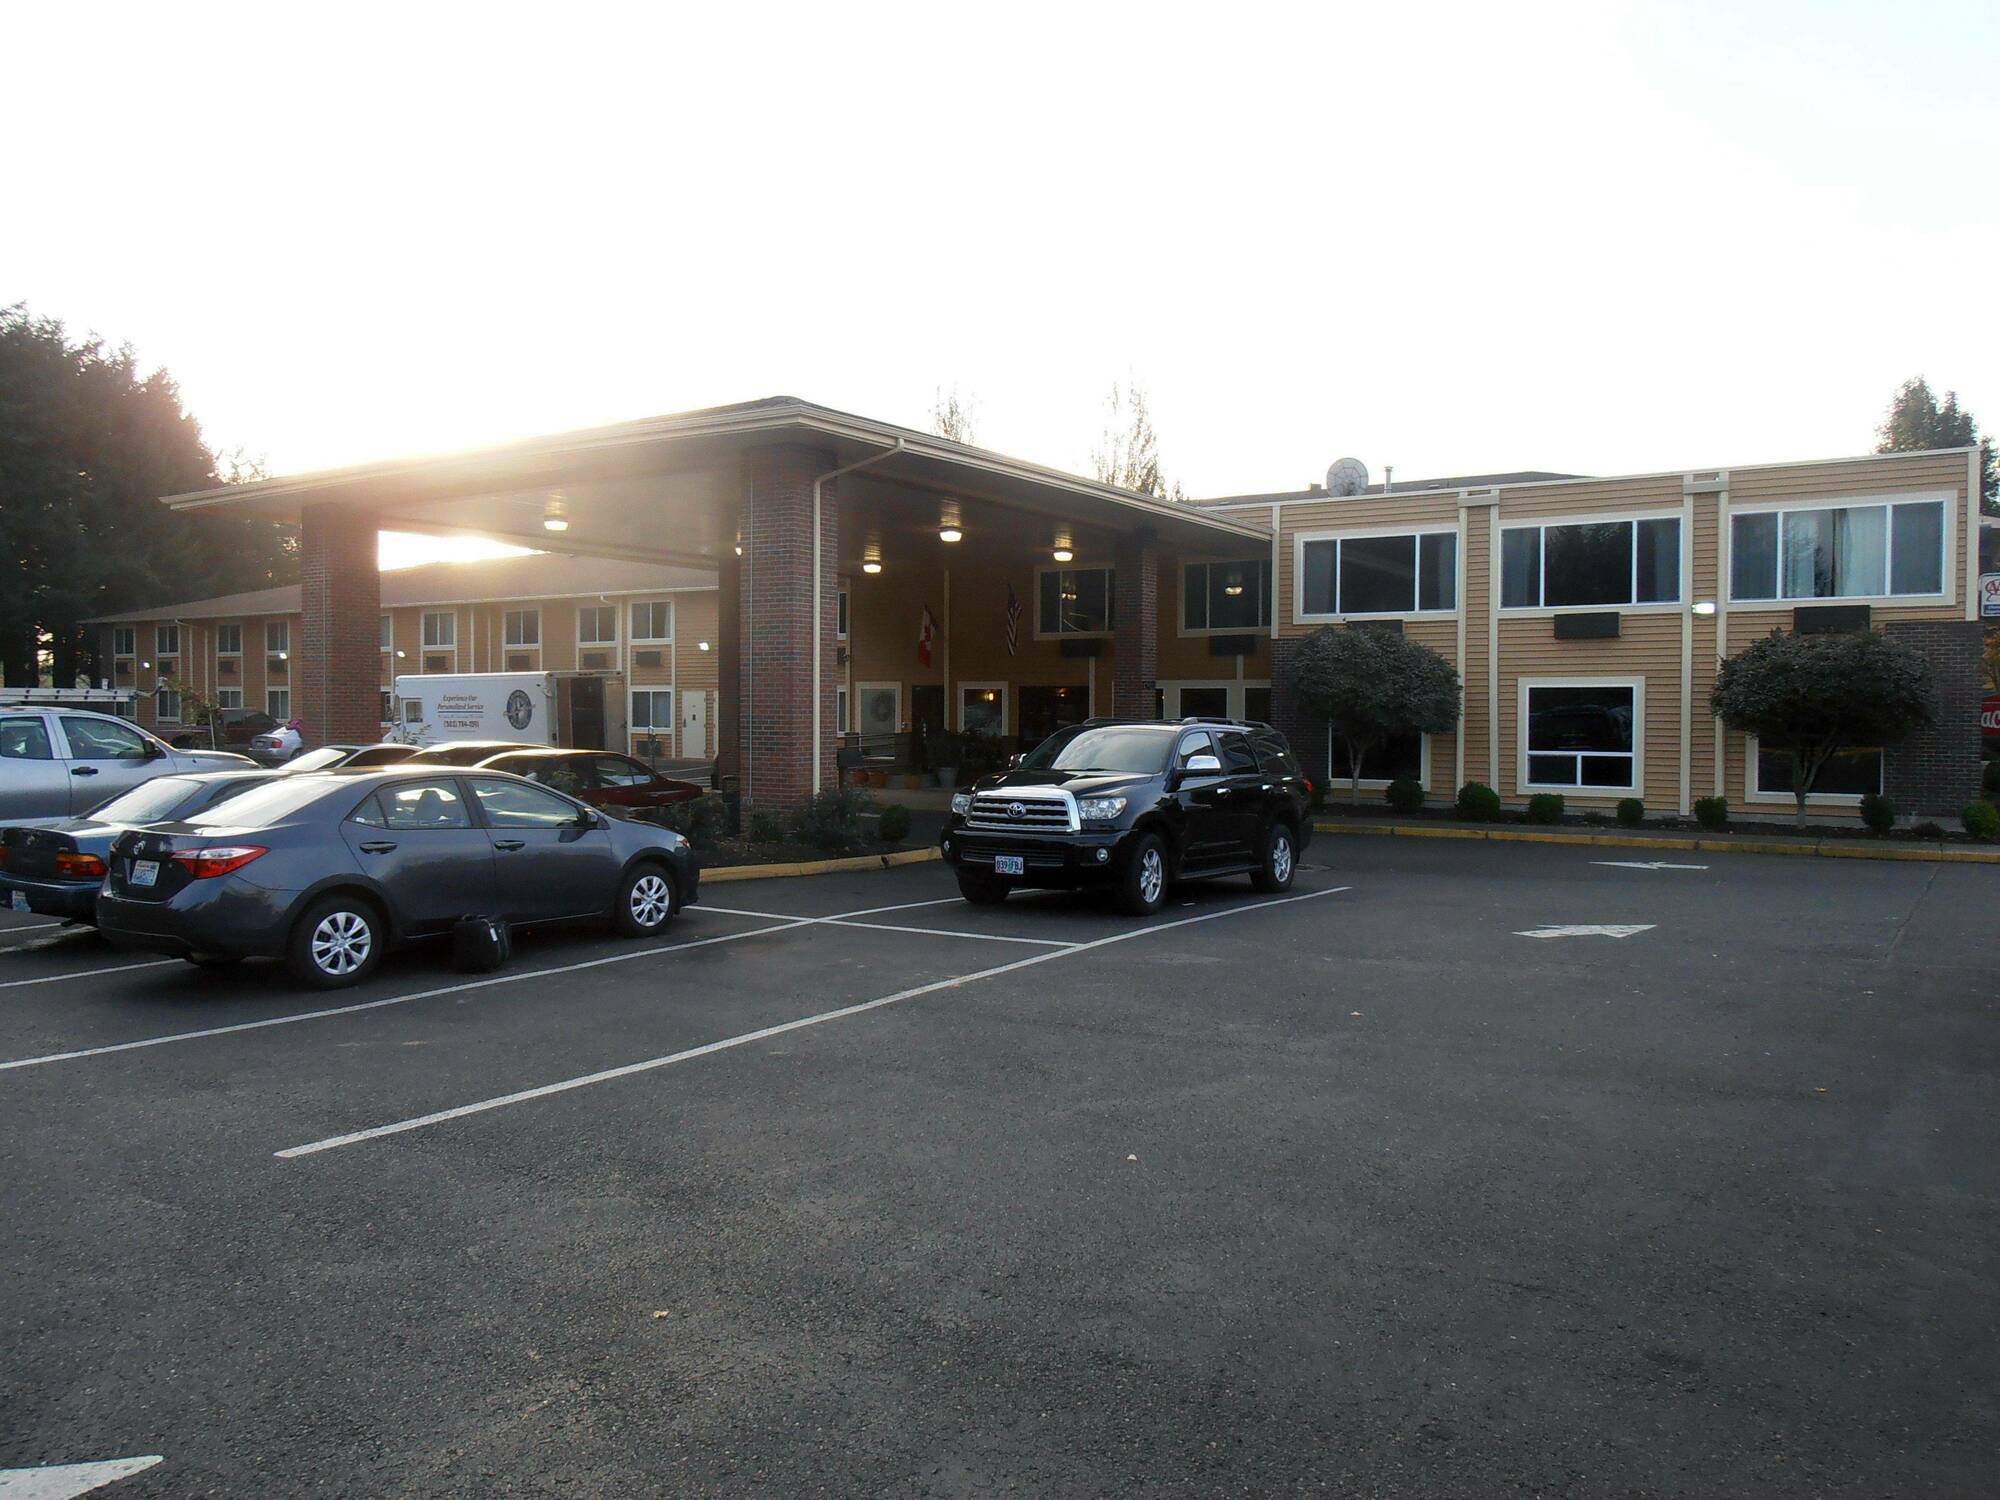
(1334, 810)
(837, 824)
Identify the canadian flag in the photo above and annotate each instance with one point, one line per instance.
(926, 633)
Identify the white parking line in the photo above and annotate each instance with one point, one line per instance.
(150, 963)
(544, 1091)
(31, 927)
(984, 937)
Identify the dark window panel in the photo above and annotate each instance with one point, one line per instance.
(1918, 557)
(1437, 578)
(1520, 568)
(1318, 582)
(1587, 564)
(1659, 560)
(1378, 575)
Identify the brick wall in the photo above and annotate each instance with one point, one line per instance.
(1306, 732)
(1135, 625)
(1935, 772)
(337, 666)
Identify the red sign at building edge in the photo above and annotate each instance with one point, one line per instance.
(1989, 721)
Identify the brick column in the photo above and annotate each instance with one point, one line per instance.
(728, 669)
(1306, 732)
(336, 677)
(1135, 625)
(1935, 772)
(775, 622)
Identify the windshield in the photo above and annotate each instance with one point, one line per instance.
(1140, 748)
(457, 755)
(261, 806)
(149, 802)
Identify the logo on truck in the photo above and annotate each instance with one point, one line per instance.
(520, 709)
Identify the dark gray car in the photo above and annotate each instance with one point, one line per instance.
(329, 869)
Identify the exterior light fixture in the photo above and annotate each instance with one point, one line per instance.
(401, 654)
(703, 646)
(871, 566)
(147, 665)
(1062, 554)
(284, 656)
(1705, 607)
(555, 516)
(739, 549)
(950, 534)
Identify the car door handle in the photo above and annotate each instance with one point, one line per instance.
(509, 843)
(377, 846)
(83, 770)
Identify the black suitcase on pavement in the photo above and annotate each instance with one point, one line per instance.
(479, 945)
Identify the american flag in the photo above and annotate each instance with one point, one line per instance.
(1013, 622)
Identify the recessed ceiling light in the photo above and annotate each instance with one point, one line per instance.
(950, 534)
(1062, 554)
(871, 566)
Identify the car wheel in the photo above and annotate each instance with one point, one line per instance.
(981, 889)
(1280, 862)
(645, 902)
(337, 942)
(215, 960)
(1142, 888)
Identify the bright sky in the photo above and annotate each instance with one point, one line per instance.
(1599, 237)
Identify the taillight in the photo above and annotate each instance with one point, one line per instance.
(79, 866)
(206, 864)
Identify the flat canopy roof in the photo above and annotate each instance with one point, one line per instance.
(664, 488)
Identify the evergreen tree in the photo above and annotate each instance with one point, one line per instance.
(1918, 420)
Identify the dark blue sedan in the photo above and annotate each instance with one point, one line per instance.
(329, 869)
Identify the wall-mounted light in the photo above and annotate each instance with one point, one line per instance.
(871, 566)
(950, 534)
(1062, 554)
(401, 654)
(703, 646)
(147, 665)
(284, 656)
(1705, 607)
(555, 516)
(739, 549)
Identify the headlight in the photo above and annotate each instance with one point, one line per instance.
(961, 803)
(1100, 809)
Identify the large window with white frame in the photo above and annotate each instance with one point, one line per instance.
(840, 616)
(124, 640)
(440, 630)
(1583, 735)
(1074, 601)
(1221, 597)
(1845, 779)
(167, 706)
(278, 703)
(386, 633)
(521, 628)
(597, 625)
(1588, 564)
(653, 622)
(1871, 550)
(229, 640)
(652, 711)
(982, 708)
(277, 637)
(229, 697)
(166, 640)
(1375, 573)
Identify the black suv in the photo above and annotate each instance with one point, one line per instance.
(1134, 805)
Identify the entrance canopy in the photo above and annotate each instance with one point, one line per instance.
(669, 488)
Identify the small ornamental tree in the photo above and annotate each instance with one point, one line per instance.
(1370, 686)
(1814, 696)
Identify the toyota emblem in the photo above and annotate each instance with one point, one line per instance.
(1016, 810)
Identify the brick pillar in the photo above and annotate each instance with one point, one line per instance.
(1135, 625)
(775, 620)
(1935, 772)
(728, 669)
(336, 678)
(1306, 732)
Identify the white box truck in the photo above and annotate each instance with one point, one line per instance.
(585, 710)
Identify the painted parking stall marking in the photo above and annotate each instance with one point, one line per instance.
(1592, 929)
(150, 963)
(1644, 864)
(628, 1070)
(60, 1481)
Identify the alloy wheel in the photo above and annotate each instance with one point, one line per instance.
(652, 901)
(341, 943)
(1281, 858)
(1152, 875)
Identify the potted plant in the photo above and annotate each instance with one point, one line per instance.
(945, 755)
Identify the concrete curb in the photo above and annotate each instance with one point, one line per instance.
(820, 866)
(1830, 849)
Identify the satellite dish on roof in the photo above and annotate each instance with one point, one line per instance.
(1347, 477)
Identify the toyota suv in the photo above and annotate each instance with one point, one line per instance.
(1134, 806)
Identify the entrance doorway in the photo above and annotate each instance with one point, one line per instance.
(694, 723)
(585, 716)
(1044, 710)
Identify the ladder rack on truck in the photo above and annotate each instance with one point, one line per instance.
(121, 701)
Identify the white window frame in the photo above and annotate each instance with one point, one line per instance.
(283, 645)
(1541, 526)
(426, 645)
(665, 731)
(507, 615)
(1006, 704)
(1110, 585)
(222, 650)
(1170, 692)
(163, 633)
(1947, 591)
(1376, 783)
(1638, 687)
(385, 635)
(1753, 787)
(650, 604)
(843, 615)
(861, 688)
(1363, 534)
(1262, 627)
(229, 697)
(614, 645)
(130, 635)
(840, 710)
(270, 698)
(161, 698)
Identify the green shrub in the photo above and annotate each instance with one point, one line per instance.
(895, 825)
(701, 822)
(1878, 813)
(1712, 812)
(1981, 819)
(1989, 779)
(767, 826)
(1545, 807)
(1478, 802)
(1631, 812)
(832, 820)
(1928, 830)
(1404, 795)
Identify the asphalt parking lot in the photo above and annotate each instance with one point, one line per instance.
(848, 1188)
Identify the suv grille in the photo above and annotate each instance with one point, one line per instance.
(1023, 812)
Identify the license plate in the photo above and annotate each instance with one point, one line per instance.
(145, 871)
(1010, 864)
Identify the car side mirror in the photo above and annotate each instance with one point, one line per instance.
(1015, 759)
(1202, 765)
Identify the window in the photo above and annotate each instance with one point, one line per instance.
(840, 616)
(166, 640)
(278, 704)
(24, 738)
(104, 739)
(982, 708)
(167, 706)
(1074, 601)
(124, 640)
(653, 709)
(1838, 552)
(521, 627)
(229, 697)
(1204, 702)
(388, 706)
(616, 770)
(597, 625)
(1226, 596)
(229, 640)
(653, 621)
(1580, 735)
(1192, 745)
(1398, 758)
(386, 633)
(1852, 774)
(1238, 759)
(440, 630)
(277, 636)
(1257, 704)
(840, 720)
(419, 806)
(1591, 563)
(1404, 574)
(510, 804)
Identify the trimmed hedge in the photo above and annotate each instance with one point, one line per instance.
(1878, 814)
(1546, 807)
(1404, 795)
(1478, 802)
(1981, 819)
(1631, 812)
(766, 826)
(895, 824)
(1712, 812)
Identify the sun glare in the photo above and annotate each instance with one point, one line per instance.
(411, 549)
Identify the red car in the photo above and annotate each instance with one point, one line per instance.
(600, 777)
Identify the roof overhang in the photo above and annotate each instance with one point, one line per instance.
(666, 488)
